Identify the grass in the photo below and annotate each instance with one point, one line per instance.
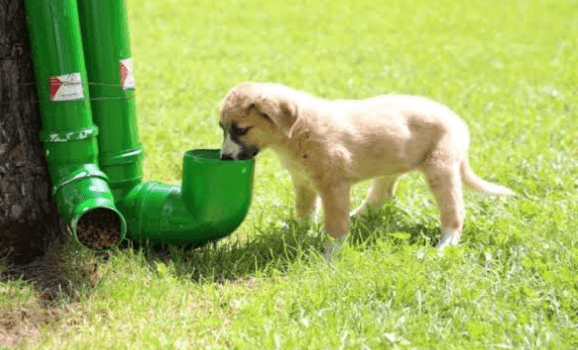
(508, 68)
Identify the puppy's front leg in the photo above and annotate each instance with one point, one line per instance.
(305, 199)
(335, 199)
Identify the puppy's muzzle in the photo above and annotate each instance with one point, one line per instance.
(245, 153)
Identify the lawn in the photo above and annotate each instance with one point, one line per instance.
(509, 68)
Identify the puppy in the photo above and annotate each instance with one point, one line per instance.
(329, 145)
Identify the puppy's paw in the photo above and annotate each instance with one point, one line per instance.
(331, 250)
(448, 238)
(357, 212)
(362, 210)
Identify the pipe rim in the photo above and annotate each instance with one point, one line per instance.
(213, 156)
(121, 234)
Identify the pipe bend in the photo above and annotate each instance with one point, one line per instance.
(80, 189)
(157, 213)
(211, 203)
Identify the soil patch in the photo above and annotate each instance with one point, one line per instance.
(19, 324)
(58, 278)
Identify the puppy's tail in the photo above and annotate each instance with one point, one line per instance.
(477, 184)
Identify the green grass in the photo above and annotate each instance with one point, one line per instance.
(509, 68)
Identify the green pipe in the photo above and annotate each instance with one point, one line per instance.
(104, 27)
(211, 203)
(215, 195)
(79, 187)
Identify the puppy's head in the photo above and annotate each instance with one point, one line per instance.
(254, 116)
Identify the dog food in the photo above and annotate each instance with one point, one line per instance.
(99, 229)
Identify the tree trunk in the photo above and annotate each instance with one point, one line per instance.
(29, 220)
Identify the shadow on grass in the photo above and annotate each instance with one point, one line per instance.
(273, 248)
(395, 224)
(276, 248)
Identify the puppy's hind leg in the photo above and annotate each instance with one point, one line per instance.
(382, 189)
(445, 183)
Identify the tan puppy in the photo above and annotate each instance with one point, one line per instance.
(329, 145)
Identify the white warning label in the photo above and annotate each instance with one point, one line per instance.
(66, 87)
(126, 76)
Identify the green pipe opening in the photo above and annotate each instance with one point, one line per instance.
(80, 189)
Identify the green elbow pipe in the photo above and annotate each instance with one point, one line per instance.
(80, 189)
(215, 195)
(211, 203)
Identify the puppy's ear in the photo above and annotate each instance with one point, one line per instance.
(280, 113)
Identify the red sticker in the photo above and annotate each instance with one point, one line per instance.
(55, 85)
(126, 75)
(66, 87)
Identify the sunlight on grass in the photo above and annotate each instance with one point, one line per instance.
(508, 68)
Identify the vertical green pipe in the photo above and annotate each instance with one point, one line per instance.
(69, 136)
(104, 27)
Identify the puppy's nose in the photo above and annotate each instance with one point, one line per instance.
(226, 157)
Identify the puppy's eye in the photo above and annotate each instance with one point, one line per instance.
(241, 131)
(266, 117)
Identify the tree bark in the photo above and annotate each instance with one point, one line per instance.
(29, 220)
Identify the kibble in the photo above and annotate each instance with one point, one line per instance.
(99, 229)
